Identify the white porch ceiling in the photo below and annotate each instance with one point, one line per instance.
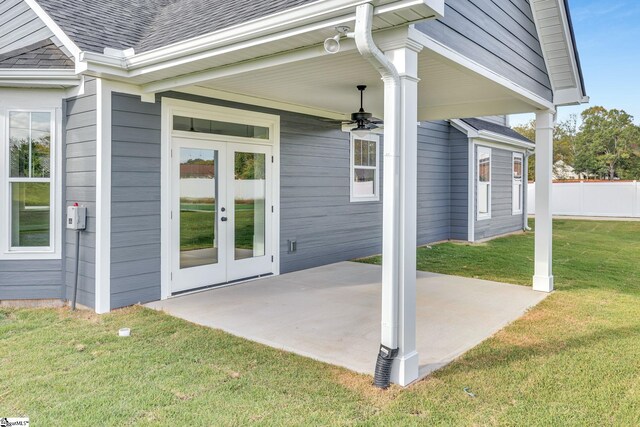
(446, 90)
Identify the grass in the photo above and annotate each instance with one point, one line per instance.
(33, 214)
(572, 360)
(197, 225)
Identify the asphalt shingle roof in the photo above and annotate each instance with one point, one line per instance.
(479, 124)
(148, 24)
(43, 54)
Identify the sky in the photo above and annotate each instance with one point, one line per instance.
(608, 38)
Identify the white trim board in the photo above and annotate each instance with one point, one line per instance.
(103, 198)
(61, 36)
(104, 91)
(491, 137)
(171, 107)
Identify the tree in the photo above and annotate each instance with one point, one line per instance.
(607, 144)
(564, 141)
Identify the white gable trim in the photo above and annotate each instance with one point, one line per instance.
(492, 138)
(543, 12)
(69, 45)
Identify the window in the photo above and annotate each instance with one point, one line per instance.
(28, 181)
(517, 184)
(364, 169)
(484, 182)
(192, 124)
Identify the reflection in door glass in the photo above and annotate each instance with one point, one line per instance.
(249, 186)
(198, 194)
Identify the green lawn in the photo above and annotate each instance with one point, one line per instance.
(197, 225)
(572, 360)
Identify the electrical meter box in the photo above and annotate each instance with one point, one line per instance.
(76, 217)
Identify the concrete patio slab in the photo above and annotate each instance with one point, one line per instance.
(332, 313)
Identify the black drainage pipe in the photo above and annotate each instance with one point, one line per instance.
(382, 377)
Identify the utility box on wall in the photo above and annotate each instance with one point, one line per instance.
(76, 217)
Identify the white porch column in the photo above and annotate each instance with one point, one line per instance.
(404, 57)
(543, 278)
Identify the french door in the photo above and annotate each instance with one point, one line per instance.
(221, 212)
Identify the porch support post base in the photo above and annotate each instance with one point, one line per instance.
(543, 283)
(543, 276)
(405, 369)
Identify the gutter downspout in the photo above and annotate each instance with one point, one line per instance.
(391, 190)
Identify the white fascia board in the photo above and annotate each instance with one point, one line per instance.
(503, 139)
(468, 130)
(55, 29)
(572, 53)
(570, 96)
(315, 16)
(566, 96)
(526, 95)
(17, 77)
(491, 137)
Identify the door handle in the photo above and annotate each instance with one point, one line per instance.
(224, 218)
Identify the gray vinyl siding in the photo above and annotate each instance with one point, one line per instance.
(31, 279)
(20, 26)
(459, 146)
(80, 177)
(502, 220)
(499, 120)
(315, 207)
(135, 201)
(434, 183)
(498, 34)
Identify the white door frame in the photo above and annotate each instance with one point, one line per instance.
(171, 107)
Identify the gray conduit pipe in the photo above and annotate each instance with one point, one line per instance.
(77, 271)
(391, 213)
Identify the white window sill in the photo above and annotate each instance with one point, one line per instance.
(483, 218)
(29, 255)
(364, 199)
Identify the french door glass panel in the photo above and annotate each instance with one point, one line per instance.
(198, 207)
(249, 202)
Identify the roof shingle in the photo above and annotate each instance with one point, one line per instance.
(148, 24)
(43, 54)
(479, 124)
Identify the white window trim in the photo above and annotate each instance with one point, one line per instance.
(516, 181)
(483, 216)
(352, 167)
(31, 253)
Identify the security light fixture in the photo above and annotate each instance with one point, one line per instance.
(332, 44)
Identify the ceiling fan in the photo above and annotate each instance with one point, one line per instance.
(364, 121)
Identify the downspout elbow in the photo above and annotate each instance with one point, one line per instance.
(367, 47)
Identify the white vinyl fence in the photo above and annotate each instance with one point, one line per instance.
(197, 188)
(584, 198)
